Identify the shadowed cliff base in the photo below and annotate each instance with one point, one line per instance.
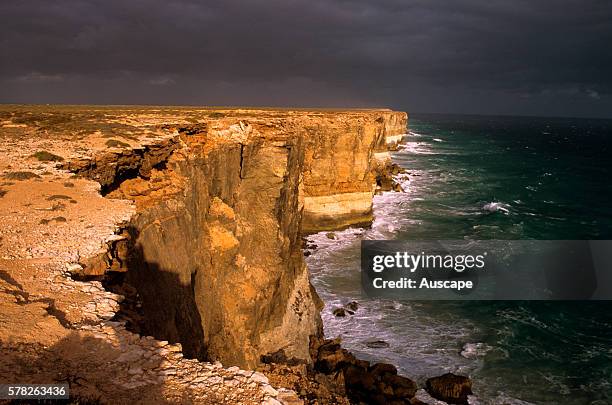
(77, 360)
(157, 303)
(85, 364)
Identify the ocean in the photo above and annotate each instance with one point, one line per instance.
(484, 177)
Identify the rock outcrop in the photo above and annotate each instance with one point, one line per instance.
(363, 382)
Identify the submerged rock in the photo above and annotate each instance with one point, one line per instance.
(376, 344)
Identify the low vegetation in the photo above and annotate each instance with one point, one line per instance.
(114, 143)
(21, 176)
(59, 197)
(45, 156)
(55, 219)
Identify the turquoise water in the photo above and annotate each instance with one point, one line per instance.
(487, 178)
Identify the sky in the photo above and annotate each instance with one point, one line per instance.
(516, 57)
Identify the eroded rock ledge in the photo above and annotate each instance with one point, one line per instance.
(209, 252)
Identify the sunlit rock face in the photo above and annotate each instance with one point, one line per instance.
(339, 178)
(222, 198)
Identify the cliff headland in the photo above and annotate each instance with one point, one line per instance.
(156, 252)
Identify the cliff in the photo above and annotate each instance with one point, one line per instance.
(197, 240)
(342, 153)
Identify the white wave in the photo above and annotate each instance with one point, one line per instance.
(496, 207)
(417, 148)
(504, 399)
(474, 350)
(425, 398)
(438, 140)
(334, 240)
(403, 179)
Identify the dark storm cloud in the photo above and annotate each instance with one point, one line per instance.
(546, 56)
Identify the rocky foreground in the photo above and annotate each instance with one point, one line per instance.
(153, 255)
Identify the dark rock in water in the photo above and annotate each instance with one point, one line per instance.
(450, 388)
(402, 387)
(376, 344)
(308, 245)
(339, 312)
(307, 253)
(330, 235)
(349, 309)
(376, 384)
(352, 306)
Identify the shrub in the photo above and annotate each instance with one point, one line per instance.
(21, 176)
(59, 197)
(113, 143)
(44, 156)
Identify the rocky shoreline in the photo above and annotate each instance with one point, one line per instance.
(144, 247)
(339, 377)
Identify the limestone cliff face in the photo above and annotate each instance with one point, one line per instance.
(215, 249)
(339, 169)
(395, 126)
(218, 265)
